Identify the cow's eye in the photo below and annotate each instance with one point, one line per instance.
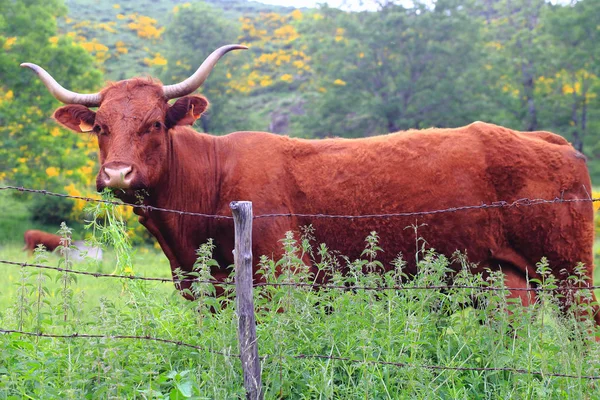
(97, 129)
(157, 125)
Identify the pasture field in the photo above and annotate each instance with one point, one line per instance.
(324, 344)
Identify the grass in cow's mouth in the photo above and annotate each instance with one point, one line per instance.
(326, 343)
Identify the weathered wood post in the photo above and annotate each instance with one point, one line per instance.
(242, 255)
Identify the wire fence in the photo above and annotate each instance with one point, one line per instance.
(298, 356)
(524, 202)
(305, 285)
(494, 205)
(116, 337)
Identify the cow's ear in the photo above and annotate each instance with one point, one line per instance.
(76, 117)
(186, 110)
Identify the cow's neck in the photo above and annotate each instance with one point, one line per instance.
(191, 184)
(192, 174)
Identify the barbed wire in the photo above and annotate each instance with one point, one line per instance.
(103, 275)
(116, 203)
(432, 287)
(440, 367)
(299, 356)
(116, 337)
(495, 204)
(301, 284)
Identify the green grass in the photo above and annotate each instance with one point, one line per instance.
(368, 329)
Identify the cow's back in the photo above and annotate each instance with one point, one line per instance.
(426, 171)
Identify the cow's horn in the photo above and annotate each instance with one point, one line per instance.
(197, 79)
(63, 95)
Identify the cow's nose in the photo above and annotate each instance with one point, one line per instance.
(118, 177)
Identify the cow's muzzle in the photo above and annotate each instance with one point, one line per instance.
(116, 176)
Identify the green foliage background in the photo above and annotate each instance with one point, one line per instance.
(528, 65)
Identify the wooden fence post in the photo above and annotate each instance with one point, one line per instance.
(242, 255)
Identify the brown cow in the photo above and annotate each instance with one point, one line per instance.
(34, 237)
(146, 146)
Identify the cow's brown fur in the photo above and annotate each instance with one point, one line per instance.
(401, 172)
(34, 237)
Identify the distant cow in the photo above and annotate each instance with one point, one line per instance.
(78, 250)
(147, 148)
(33, 238)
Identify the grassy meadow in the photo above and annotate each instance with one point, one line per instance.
(333, 343)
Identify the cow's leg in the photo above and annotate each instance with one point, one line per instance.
(514, 279)
(151, 226)
(517, 272)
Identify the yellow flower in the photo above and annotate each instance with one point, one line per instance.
(8, 43)
(596, 204)
(296, 15)
(339, 82)
(116, 6)
(72, 191)
(52, 171)
(266, 81)
(157, 60)
(287, 78)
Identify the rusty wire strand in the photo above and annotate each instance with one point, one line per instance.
(116, 203)
(116, 337)
(495, 204)
(300, 284)
(440, 367)
(303, 356)
(102, 275)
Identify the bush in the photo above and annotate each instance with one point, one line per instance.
(51, 210)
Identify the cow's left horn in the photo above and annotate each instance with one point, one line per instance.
(197, 79)
(63, 95)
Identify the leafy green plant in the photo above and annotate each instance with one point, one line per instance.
(369, 334)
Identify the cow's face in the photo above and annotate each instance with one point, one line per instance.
(132, 124)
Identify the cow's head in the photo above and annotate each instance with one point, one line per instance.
(132, 122)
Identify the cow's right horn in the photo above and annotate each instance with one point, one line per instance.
(60, 93)
(197, 79)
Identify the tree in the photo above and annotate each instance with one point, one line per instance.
(34, 151)
(574, 86)
(395, 69)
(516, 59)
(193, 33)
